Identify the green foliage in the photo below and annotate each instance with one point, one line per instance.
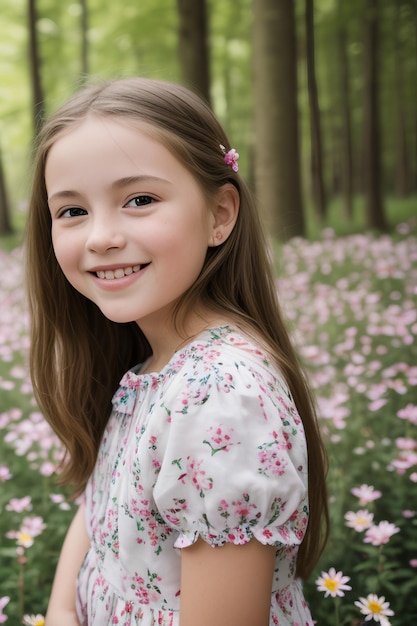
(141, 38)
(398, 210)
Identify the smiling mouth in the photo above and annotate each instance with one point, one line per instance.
(120, 272)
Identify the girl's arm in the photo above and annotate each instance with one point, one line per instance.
(61, 608)
(227, 586)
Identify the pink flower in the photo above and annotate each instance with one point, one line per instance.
(360, 520)
(31, 527)
(230, 158)
(404, 461)
(34, 525)
(366, 494)
(377, 404)
(408, 413)
(380, 534)
(4, 473)
(18, 505)
(406, 443)
(3, 601)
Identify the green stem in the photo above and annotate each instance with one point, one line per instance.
(21, 589)
(380, 560)
(337, 611)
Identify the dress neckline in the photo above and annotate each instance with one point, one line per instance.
(214, 333)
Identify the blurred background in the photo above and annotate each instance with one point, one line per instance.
(318, 97)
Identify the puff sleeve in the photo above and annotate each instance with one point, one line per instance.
(234, 461)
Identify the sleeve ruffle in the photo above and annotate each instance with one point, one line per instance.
(234, 462)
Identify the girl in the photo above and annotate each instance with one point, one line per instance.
(146, 263)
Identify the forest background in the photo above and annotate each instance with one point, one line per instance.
(319, 98)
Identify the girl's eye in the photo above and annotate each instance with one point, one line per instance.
(74, 211)
(140, 201)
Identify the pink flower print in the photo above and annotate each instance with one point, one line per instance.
(282, 442)
(184, 403)
(284, 532)
(172, 515)
(202, 394)
(244, 509)
(128, 607)
(198, 476)
(220, 439)
(223, 509)
(140, 589)
(148, 592)
(156, 465)
(211, 355)
(154, 383)
(271, 461)
(239, 537)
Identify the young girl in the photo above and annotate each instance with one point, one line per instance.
(146, 263)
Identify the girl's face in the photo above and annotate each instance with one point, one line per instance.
(130, 225)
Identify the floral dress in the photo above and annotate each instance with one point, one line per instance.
(212, 447)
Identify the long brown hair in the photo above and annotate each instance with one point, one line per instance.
(78, 356)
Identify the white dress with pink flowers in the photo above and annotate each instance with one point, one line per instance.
(211, 447)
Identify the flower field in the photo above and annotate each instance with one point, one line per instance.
(351, 304)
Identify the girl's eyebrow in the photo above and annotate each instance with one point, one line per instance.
(65, 193)
(132, 180)
(117, 184)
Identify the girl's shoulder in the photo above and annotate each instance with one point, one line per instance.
(225, 353)
(215, 355)
(224, 345)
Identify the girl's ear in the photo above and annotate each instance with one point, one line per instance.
(225, 210)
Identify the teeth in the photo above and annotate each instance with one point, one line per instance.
(119, 273)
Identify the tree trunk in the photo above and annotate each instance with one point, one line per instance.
(414, 175)
(193, 48)
(5, 222)
(346, 158)
(35, 69)
(277, 154)
(402, 185)
(375, 215)
(318, 190)
(84, 40)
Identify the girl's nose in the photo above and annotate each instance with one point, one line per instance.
(104, 235)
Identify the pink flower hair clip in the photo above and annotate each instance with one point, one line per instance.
(230, 157)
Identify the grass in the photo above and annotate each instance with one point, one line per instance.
(397, 210)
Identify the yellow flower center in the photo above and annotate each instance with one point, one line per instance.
(331, 584)
(23, 537)
(39, 622)
(375, 607)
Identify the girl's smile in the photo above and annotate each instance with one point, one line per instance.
(130, 226)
